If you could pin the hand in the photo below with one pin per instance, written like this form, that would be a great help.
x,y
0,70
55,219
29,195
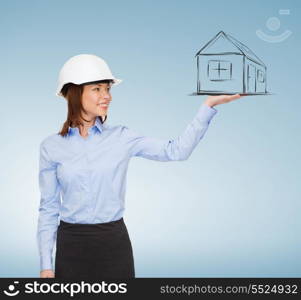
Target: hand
x,y
47,274
215,100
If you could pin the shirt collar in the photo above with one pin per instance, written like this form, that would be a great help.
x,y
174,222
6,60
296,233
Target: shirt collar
x,y
97,126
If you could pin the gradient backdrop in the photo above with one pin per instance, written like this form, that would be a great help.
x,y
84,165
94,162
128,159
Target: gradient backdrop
x,y
233,208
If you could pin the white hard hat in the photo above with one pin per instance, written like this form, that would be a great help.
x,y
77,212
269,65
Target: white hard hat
x,y
84,68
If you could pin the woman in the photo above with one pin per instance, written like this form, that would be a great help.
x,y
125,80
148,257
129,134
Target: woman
x,y
86,164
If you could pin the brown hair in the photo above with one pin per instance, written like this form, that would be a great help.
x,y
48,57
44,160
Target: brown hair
x,y
73,94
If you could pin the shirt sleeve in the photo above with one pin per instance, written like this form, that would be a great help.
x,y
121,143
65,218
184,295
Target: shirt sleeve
x,y
48,209
179,148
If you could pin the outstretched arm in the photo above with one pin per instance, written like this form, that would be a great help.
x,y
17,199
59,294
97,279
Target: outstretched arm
x,y
181,147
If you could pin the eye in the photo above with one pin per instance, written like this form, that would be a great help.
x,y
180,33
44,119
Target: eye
x,y
99,89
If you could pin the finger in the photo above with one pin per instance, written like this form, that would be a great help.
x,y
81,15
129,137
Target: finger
x,y
233,97
227,97
220,97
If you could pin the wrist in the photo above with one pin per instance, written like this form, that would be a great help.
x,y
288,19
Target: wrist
x,y
208,103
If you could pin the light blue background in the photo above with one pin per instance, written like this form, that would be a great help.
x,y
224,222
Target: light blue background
x,y
233,208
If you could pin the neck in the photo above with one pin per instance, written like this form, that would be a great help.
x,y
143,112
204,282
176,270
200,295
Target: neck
x,y
86,125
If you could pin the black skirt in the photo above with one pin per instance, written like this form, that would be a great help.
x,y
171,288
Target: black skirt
x,y
93,251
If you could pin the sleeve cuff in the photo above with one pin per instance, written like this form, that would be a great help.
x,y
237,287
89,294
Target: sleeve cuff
x,y
46,263
206,113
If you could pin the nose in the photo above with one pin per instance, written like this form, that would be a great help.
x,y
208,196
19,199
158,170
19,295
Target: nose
x,y
106,95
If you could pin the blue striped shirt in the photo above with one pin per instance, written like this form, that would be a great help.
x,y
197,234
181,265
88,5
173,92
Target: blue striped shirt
x,y
83,180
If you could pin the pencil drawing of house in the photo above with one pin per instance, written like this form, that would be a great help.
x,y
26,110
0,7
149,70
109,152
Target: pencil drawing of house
x,y
227,66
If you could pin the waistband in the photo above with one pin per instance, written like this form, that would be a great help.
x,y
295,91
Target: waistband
x,y
90,227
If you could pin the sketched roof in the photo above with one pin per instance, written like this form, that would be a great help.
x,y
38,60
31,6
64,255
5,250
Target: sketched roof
x,y
242,49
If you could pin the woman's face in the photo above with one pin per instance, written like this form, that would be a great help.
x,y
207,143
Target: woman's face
x,y
96,99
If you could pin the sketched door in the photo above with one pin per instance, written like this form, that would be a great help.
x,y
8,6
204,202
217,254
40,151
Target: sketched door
x,y
251,79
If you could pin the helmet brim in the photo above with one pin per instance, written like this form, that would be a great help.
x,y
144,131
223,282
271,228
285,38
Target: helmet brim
x,y
116,81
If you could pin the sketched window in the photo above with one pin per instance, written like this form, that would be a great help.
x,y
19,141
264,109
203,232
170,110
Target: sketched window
x,y
219,70
260,76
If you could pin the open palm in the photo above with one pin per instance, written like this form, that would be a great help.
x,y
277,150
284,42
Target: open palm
x,y
221,99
